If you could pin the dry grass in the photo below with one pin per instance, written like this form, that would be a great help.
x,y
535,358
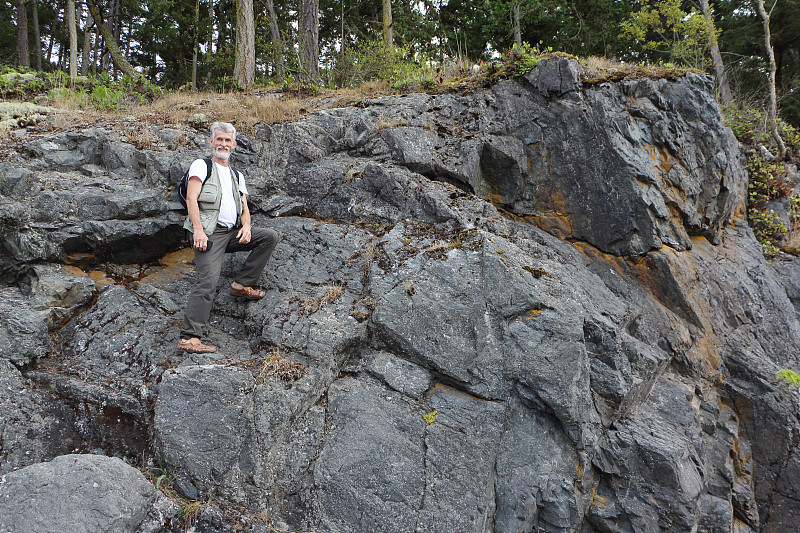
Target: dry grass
x,y
140,136
332,293
593,63
458,68
243,110
251,110
793,239
386,124
353,173
601,69
276,363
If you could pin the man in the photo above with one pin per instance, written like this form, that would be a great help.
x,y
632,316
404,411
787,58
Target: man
x,y
219,221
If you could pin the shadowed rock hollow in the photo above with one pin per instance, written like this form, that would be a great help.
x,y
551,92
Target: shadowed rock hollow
x,y
560,277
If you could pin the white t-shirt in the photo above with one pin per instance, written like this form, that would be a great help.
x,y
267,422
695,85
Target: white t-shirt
x,y
227,206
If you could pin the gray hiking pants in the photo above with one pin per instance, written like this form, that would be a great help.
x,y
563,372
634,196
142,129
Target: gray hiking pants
x,y
208,265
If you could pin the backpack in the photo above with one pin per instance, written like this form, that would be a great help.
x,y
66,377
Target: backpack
x,y
184,183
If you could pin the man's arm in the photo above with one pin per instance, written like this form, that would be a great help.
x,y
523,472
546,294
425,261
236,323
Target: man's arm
x,y
193,188
244,234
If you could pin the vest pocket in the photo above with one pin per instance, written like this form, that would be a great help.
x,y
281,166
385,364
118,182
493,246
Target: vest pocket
x,y
209,194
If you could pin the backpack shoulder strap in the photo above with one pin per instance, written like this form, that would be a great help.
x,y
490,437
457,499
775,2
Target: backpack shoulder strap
x,y
209,167
235,174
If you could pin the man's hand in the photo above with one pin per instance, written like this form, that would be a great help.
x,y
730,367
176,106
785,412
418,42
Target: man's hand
x,y
244,234
199,239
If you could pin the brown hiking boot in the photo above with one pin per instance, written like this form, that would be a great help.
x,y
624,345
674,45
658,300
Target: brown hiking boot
x,y
194,345
246,292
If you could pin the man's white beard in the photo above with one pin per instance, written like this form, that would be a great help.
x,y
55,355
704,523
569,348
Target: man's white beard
x,y
222,153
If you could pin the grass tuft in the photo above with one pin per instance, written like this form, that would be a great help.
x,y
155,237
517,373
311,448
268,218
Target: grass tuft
x,y
276,363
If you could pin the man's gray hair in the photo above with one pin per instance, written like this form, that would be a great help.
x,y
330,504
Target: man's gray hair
x,y
227,127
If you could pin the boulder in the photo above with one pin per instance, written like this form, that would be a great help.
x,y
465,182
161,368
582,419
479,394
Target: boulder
x,y
83,493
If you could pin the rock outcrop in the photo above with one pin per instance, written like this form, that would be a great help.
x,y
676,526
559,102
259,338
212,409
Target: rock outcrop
x,y
83,493
532,308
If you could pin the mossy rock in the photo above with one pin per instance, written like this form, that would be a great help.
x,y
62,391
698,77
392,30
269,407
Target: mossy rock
x,y
17,77
20,114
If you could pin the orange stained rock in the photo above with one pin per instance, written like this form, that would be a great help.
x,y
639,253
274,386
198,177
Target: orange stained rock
x,y
71,269
174,265
559,226
705,352
595,254
533,313
661,157
79,257
554,217
598,501
100,278
492,193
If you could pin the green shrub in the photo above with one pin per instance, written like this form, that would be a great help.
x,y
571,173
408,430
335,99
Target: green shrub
x,y
369,61
787,376
226,84
768,181
104,97
750,127
521,59
768,229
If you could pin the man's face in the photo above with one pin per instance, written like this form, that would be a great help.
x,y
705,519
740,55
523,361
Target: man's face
x,y
222,143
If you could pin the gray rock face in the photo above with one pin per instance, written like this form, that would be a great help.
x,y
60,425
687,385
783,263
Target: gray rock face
x,y
203,417
531,308
23,332
35,426
82,493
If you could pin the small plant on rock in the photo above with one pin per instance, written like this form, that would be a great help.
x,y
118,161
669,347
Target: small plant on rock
x,y
276,363
521,59
788,376
163,478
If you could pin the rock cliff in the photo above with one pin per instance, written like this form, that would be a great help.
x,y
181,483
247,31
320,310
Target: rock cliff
x,y
531,308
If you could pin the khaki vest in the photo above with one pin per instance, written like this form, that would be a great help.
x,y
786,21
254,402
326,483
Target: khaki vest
x,y
210,199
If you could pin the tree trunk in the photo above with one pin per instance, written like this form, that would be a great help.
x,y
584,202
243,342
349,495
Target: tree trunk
x,y
87,46
50,49
515,7
221,35
773,99
110,42
116,31
196,39
387,23
210,48
308,40
117,26
22,35
716,57
37,35
275,36
104,56
97,49
244,69
73,38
